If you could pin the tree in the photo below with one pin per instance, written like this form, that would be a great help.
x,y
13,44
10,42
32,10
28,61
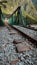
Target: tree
x,y
2,4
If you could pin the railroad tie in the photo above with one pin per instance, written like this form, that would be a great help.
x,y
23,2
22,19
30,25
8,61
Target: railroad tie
x,y
16,41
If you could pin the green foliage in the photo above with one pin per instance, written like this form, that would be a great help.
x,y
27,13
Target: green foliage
x,y
29,9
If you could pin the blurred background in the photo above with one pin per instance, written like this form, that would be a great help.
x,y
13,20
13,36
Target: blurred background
x,y
28,11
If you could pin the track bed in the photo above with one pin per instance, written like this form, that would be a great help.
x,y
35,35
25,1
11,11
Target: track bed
x,y
16,49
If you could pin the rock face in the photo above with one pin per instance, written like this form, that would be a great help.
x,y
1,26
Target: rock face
x,y
30,6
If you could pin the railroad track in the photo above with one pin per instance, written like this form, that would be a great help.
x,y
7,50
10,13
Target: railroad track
x,y
16,48
30,34
32,28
